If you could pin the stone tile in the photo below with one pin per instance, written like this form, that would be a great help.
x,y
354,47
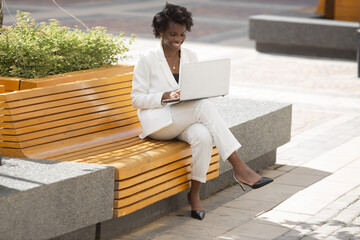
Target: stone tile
x,y
326,230
306,202
346,216
310,171
190,231
288,238
224,218
273,192
298,179
346,175
296,233
329,162
235,238
345,233
355,163
284,219
286,168
257,230
271,173
327,213
251,204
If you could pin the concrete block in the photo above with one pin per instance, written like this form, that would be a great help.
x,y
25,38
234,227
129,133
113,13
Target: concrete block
x,y
261,127
42,199
304,36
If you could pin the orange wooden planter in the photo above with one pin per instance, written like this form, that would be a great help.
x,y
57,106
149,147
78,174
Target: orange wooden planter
x,y
11,84
345,10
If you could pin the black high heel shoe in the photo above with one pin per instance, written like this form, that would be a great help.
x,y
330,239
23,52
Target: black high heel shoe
x,y
262,182
197,214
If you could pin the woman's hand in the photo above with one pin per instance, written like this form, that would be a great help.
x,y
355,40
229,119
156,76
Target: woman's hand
x,y
171,95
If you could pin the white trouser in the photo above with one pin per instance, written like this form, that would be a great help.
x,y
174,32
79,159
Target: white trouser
x,y
199,124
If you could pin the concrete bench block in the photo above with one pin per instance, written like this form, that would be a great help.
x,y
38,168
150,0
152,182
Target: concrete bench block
x,y
42,199
261,127
304,36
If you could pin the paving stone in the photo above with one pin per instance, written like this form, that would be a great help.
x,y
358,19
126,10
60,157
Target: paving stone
x,y
271,173
284,219
190,231
288,238
251,204
327,229
256,229
297,179
346,216
273,193
310,171
228,217
345,233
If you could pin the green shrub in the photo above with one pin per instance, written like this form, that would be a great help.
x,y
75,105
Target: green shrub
x,y
30,50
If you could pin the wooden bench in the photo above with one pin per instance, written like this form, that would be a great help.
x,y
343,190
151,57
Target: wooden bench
x,y
93,121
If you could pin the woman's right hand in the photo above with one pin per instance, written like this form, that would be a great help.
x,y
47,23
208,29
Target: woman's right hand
x,y
171,95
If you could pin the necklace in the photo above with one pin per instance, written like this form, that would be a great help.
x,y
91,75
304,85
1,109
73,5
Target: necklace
x,y
171,62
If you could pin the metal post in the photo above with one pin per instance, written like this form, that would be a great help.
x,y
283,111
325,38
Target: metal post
x,y
358,52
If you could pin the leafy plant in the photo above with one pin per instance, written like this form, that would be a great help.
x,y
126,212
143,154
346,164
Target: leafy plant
x,y
29,49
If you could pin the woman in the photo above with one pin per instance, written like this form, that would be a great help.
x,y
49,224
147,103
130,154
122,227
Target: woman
x,y
196,122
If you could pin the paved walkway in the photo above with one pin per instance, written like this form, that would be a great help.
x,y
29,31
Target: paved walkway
x,y
316,190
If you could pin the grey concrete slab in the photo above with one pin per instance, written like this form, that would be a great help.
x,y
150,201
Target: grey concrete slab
x,y
42,199
304,36
261,127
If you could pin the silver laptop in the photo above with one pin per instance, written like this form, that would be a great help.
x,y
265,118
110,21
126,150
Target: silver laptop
x,y
203,80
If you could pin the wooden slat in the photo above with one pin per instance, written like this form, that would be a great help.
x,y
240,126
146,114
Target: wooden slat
x,y
113,126
75,76
132,208
68,131
66,87
123,113
122,154
148,187
118,212
119,185
145,176
321,7
11,84
154,190
81,142
121,88
65,104
123,106
132,165
77,106
96,150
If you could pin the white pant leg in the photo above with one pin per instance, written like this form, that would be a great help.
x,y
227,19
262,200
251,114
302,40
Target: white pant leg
x,y
202,111
207,113
201,142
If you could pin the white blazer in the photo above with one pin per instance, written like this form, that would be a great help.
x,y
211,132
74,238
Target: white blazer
x,y
153,77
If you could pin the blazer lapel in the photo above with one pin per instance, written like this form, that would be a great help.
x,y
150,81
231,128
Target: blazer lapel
x,y
165,67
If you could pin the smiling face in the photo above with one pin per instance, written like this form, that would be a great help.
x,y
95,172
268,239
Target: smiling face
x,y
174,36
